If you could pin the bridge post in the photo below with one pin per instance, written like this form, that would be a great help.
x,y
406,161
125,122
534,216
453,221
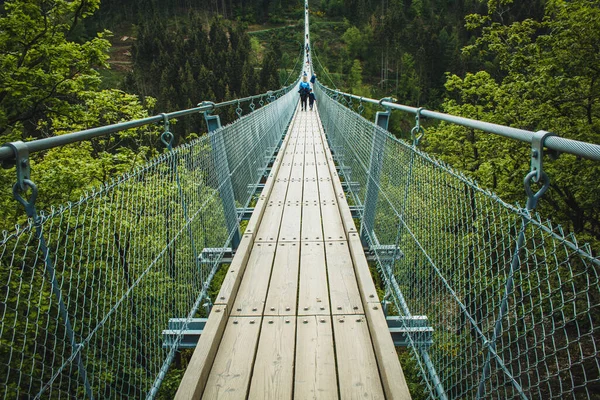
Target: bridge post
x,y
219,154
375,163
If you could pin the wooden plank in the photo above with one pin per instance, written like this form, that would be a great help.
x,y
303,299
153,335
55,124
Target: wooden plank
x,y
294,193
313,293
232,280
356,364
194,380
283,289
347,220
315,376
257,215
326,192
343,288
290,223
392,377
230,374
322,167
269,227
279,190
312,229
297,168
268,189
333,229
311,190
285,169
251,296
310,169
361,269
273,374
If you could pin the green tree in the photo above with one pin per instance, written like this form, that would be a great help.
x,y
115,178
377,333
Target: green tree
x,y
355,75
269,79
357,42
43,70
50,87
546,78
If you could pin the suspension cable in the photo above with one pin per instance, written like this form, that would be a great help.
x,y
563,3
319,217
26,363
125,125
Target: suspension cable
x,y
323,68
294,68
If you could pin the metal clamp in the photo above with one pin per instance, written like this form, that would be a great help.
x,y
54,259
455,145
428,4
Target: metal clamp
x,y
21,151
537,153
238,110
207,103
389,100
360,107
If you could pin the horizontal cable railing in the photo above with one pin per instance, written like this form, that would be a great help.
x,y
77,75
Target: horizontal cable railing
x,y
587,150
87,287
513,301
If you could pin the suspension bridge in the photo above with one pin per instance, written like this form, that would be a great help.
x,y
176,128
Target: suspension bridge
x,y
301,209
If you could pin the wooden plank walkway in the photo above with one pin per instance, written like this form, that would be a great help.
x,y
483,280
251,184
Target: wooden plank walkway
x,y
297,316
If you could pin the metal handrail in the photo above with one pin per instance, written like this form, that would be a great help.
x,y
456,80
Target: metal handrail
x,y
7,153
583,149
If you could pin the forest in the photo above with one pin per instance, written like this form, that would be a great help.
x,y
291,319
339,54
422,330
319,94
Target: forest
x,y
529,64
69,65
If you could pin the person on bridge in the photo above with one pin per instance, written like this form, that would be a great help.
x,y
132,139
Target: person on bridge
x,y
311,99
304,91
313,78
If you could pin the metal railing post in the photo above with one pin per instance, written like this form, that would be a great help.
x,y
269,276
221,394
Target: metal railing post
x,y
375,163
213,122
24,182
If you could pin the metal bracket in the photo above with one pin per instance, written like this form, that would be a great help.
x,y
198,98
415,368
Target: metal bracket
x,y
189,336
213,122
245,213
356,211
413,330
405,331
350,186
386,253
382,118
208,305
537,153
211,255
22,163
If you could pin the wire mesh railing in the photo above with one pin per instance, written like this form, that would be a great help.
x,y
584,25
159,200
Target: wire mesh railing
x,y
513,301
86,288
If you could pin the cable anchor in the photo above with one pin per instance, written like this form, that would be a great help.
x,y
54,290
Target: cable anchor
x,y
417,131
537,173
360,107
167,137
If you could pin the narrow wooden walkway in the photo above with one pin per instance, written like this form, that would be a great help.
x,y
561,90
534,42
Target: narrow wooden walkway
x,y
297,315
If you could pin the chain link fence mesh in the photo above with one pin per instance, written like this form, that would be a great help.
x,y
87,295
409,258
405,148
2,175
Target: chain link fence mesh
x,y
87,288
535,337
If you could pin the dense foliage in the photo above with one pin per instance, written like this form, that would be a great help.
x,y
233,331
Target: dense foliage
x,y
49,85
529,64
545,77
182,65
